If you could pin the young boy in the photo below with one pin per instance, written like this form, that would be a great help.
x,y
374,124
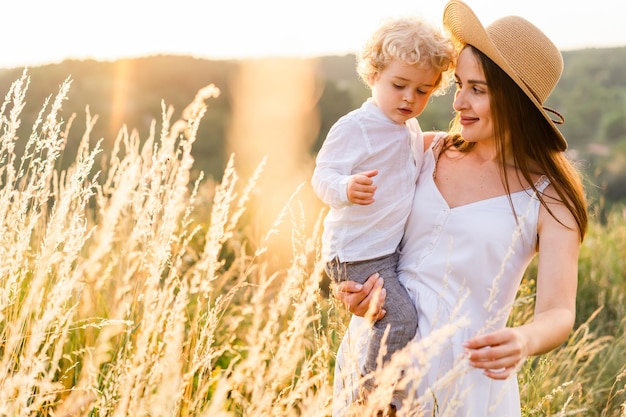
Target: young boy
x,y
368,165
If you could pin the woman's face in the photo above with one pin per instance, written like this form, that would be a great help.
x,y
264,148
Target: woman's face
x,y
402,91
471,100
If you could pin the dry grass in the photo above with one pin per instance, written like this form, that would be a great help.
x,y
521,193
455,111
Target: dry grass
x,y
118,299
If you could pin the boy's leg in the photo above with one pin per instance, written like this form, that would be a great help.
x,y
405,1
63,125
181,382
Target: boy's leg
x,y
401,315
337,271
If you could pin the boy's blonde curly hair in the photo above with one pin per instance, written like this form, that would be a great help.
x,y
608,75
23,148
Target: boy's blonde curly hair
x,y
412,40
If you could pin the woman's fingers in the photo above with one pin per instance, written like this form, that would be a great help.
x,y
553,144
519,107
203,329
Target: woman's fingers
x,y
375,303
499,354
360,298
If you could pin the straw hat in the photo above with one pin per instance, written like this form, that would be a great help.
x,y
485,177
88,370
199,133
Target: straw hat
x,y
518,47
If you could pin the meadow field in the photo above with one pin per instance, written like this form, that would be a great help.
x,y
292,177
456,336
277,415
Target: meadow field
x,y
132,286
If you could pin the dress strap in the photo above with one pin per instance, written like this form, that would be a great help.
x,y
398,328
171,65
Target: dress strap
x,y
437,144
437,140
542,183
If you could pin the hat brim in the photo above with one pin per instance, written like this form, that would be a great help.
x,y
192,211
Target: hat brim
x,y
465,26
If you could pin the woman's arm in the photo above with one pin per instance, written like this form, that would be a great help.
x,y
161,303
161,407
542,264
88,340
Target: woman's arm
x,y
557,281
555,307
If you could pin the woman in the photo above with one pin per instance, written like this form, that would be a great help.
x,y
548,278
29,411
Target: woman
x,y
493,193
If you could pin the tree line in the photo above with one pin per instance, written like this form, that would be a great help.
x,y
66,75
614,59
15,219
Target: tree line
x,y
591,95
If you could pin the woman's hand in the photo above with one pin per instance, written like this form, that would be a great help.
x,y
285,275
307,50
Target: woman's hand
x,y
500,353
365,300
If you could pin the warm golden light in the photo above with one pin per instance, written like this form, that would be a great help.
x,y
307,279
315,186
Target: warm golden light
x,y
275,117
123,73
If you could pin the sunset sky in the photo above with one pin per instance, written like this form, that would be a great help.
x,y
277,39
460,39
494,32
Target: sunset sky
x,y
38,32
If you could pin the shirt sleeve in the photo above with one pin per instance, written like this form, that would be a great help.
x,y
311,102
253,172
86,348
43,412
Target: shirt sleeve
x,y
417,141
340,153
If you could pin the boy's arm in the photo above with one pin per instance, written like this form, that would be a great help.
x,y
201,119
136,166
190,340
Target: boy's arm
x,y
361,188
335,162
330,186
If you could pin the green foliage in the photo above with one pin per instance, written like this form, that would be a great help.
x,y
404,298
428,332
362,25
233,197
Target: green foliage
x,y
591,95
129,92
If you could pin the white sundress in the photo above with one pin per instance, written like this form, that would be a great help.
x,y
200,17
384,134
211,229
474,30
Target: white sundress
x,y
462,267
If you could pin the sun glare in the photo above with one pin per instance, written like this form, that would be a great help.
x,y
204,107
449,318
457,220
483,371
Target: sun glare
x,y
275,118
45,32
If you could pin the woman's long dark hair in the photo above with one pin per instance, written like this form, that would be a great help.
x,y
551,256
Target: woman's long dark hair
x,y
532,141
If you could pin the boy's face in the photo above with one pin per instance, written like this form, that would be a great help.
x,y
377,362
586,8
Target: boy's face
x,y
402,91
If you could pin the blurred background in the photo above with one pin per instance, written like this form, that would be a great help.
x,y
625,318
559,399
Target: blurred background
x,y
286,72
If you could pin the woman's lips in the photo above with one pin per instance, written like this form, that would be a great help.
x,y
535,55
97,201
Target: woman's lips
x,y
465,120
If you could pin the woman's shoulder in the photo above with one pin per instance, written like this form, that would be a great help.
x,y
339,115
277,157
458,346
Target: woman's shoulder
x,y
432,138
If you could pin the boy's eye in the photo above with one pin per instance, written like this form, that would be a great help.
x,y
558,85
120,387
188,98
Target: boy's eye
x,y
398,86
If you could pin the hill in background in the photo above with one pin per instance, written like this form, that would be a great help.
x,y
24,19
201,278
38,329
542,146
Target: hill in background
x,y
591,95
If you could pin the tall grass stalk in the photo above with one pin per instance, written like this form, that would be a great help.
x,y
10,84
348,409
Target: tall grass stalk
x,y
117,298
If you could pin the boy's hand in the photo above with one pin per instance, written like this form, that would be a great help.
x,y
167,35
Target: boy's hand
x,y
361,188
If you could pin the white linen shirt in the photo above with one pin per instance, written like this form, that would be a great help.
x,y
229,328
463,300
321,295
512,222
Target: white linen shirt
x,y
363,140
